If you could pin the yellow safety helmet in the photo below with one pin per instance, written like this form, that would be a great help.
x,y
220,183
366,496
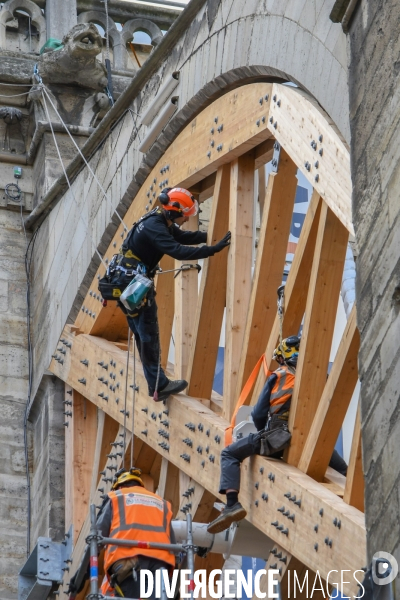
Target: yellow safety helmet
x,y
124,476
288,349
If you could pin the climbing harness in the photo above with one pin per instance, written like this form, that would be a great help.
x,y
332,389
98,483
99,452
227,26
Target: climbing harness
x,y
281,310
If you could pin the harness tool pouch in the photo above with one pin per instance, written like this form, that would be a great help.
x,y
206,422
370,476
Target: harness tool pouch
x,y
118,276
276,438
136,291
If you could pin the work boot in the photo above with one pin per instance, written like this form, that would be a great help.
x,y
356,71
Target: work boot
x,y
172,387
226,518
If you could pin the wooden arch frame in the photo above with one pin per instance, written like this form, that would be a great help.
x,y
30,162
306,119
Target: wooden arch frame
x,y
217,154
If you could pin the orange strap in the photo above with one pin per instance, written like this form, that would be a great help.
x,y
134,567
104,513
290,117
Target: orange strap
x,y
244,395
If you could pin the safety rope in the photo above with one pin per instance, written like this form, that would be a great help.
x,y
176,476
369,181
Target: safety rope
x,y
281,310
155,395
83,157
126,394
68,181
106,32
14,95
135,389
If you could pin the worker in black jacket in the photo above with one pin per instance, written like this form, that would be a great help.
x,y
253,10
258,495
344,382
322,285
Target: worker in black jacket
x,y
156,234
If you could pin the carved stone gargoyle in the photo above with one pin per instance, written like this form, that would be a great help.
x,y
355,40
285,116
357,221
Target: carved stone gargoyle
x,y
76,62
13,140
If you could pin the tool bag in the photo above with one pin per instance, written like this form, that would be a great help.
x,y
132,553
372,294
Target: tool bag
x,y
136,292
275,437
120,272
116,279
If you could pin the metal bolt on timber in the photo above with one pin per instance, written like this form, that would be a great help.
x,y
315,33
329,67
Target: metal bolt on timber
x,y
85,362
264,496
284,560
144,432
82,381
316,528
69,392
145,410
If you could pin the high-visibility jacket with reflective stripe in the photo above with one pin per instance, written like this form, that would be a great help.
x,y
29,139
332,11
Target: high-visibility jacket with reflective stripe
x,y
283,388
140,516
106,588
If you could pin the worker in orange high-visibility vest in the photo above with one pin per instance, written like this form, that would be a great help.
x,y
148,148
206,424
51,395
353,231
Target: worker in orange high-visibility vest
x,y
270,414
133,513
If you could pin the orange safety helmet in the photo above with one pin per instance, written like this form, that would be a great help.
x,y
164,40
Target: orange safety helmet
x,y
179,200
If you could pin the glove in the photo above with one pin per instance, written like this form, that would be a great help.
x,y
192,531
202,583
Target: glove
x,y
226,240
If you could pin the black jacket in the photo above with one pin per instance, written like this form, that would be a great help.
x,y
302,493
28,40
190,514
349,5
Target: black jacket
x,y
152,238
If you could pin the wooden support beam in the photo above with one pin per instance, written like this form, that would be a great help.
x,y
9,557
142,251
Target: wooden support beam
x,y
270,262
263,154
212,295
165,286
333,405
275,478
241,215
192,501
354,490
296,287
319,323
301,127
262,189
101,417
186,292
278,559
82,443
80,543
205,188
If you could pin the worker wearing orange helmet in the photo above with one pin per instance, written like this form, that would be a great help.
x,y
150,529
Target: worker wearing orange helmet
x,y
155,234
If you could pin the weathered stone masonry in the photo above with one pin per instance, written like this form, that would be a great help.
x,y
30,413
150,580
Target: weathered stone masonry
x,y
375,154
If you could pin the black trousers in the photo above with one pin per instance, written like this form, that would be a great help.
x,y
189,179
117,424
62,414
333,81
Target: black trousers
x,y
232,456
144,326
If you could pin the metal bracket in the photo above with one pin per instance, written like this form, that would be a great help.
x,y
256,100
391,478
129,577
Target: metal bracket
x,y
44,568
275,157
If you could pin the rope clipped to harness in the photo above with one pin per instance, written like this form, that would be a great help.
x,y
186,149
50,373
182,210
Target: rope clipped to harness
x,y
281,310
186,267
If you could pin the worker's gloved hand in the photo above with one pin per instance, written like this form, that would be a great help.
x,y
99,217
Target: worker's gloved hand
x,y
226,240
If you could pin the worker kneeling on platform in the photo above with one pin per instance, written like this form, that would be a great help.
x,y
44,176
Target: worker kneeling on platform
x,y
155,234
270,416
133,513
